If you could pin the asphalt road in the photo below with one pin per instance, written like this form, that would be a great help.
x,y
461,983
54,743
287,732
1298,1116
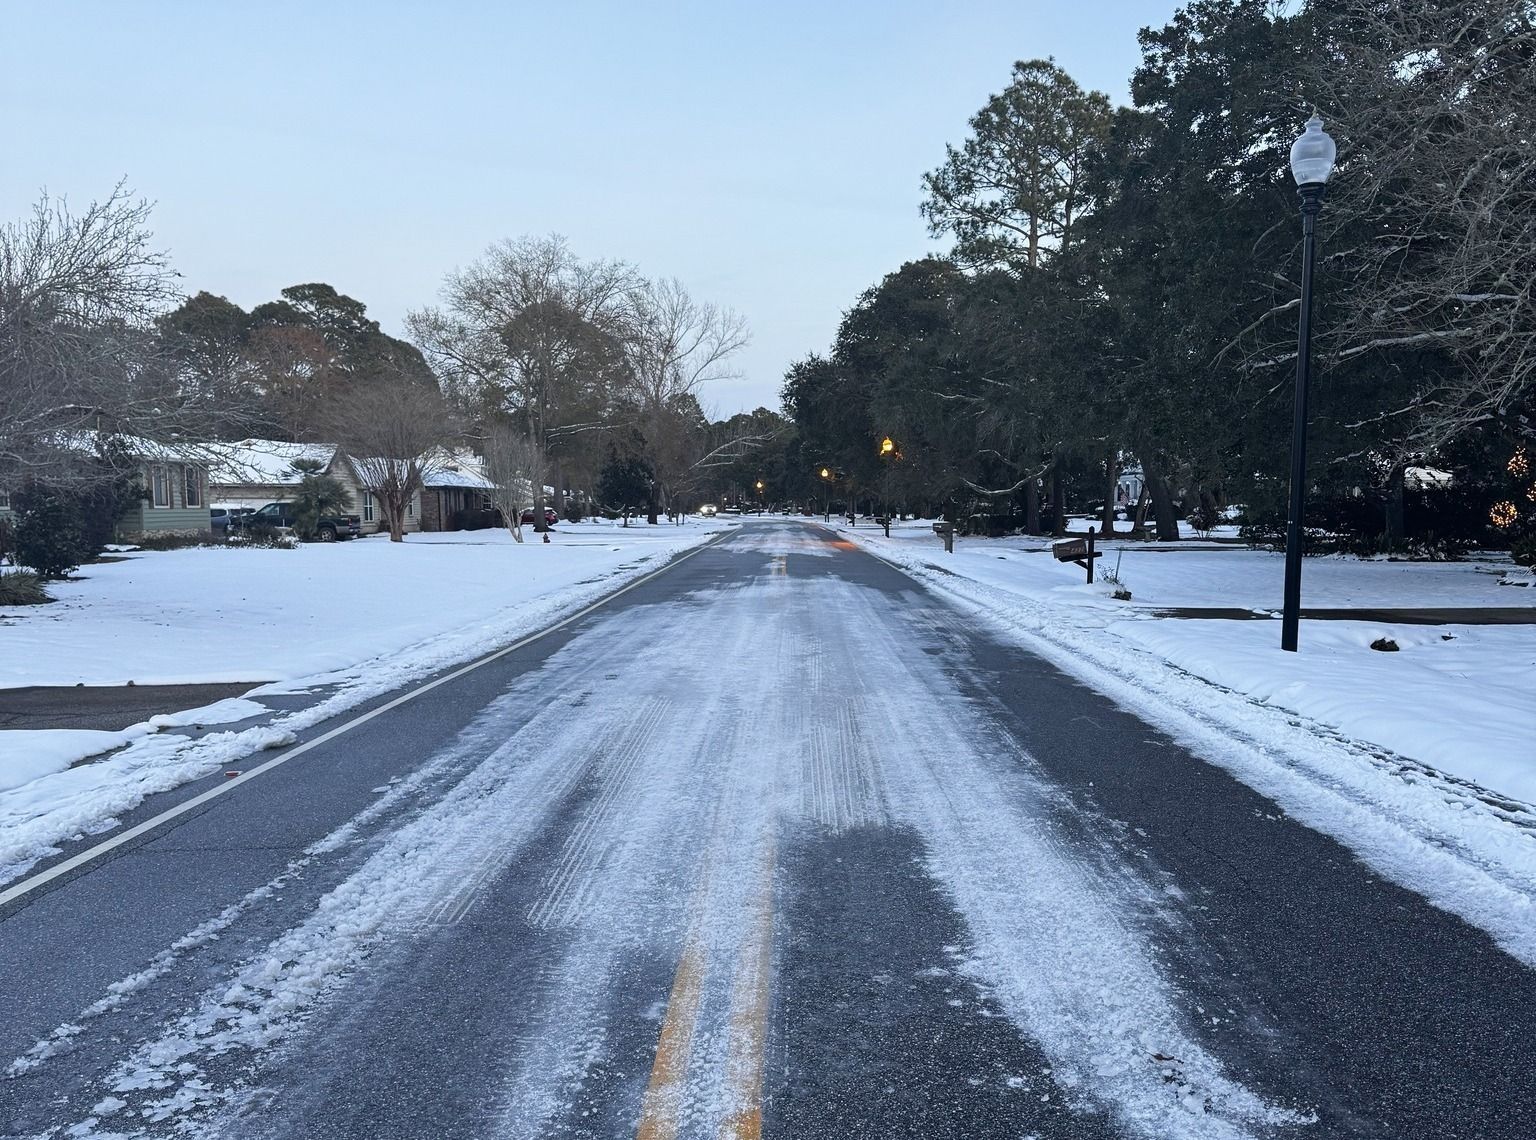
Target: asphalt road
x,y
774,844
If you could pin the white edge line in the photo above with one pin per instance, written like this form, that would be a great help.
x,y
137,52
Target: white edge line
x,y
26,886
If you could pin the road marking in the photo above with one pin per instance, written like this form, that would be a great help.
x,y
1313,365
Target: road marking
x,y
28,885
749,1017
659,1115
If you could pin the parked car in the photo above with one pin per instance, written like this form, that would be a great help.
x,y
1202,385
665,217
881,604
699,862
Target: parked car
x,y
709,510
551,517
280,516
225,519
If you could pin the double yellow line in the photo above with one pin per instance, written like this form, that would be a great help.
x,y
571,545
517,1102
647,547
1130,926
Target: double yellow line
x,y
661,1111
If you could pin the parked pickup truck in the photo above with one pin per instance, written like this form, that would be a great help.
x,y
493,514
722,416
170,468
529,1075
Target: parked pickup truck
x,y
280,516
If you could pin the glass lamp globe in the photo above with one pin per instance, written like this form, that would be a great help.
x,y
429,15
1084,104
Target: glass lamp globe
x,y
1312,154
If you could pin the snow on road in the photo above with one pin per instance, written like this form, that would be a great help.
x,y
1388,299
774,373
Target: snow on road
x,y
1457,697
1465,848
360,618
781,708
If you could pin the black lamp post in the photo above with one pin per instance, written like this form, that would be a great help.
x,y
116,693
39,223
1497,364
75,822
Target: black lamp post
x,y
1311,163
826,494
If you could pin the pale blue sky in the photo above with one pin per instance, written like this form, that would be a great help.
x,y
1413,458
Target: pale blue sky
x,y
769,155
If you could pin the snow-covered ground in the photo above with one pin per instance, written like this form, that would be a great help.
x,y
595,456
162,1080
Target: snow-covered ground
x,y
1457,697
363,617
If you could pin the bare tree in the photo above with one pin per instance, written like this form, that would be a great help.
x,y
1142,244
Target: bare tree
x,y
675,345
511,464
393,429
1436,209
78,294
533,332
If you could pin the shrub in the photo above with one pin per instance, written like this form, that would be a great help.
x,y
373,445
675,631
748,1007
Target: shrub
x,y
175,540
49,535
1523,550
573,511
1432,547
1205,518
22,588
263,537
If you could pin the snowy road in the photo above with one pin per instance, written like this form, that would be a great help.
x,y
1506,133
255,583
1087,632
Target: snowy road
x,y
773,845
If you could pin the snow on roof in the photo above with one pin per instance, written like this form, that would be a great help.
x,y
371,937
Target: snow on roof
x,y
458,469
88,441
264,461
1427,478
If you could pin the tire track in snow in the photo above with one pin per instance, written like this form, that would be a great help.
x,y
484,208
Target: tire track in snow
x,y
474,830
1054,939
568,885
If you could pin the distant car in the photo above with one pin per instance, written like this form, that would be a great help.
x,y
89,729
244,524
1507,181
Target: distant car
x,y
280,516
551,517
733,510
709,510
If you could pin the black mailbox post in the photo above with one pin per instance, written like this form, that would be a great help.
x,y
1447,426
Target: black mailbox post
x,y
1078,550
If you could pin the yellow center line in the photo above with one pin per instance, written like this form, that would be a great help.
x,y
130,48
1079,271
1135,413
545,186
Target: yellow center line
x,y
663,1095
749,1017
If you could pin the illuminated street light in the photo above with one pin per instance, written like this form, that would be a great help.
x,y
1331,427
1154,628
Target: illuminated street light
x,y
887,446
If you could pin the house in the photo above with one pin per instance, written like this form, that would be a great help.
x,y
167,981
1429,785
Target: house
x,y
173,480
254,472
456,494
175,486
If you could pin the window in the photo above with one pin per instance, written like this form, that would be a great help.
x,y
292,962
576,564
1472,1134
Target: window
x,y
410,507
5,500
194,484
368,506
160,488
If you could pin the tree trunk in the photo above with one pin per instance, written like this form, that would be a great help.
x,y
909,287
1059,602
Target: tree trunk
x,y
1393,528
559,503
1142,503
1163,511
1111,494
536,476
1032,507
1058,501
653,507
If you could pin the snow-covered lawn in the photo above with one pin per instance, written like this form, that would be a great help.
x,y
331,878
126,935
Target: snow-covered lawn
x,y
364,617
1459,698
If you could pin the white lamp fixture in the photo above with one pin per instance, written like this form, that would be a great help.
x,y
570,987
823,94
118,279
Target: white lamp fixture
x,y
1312,155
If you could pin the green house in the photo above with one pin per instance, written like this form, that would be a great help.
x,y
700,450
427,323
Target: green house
x,y
175,496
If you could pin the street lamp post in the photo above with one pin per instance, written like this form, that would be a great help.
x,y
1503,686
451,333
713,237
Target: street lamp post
x,y
888,452
826,494
1311,163
759,496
